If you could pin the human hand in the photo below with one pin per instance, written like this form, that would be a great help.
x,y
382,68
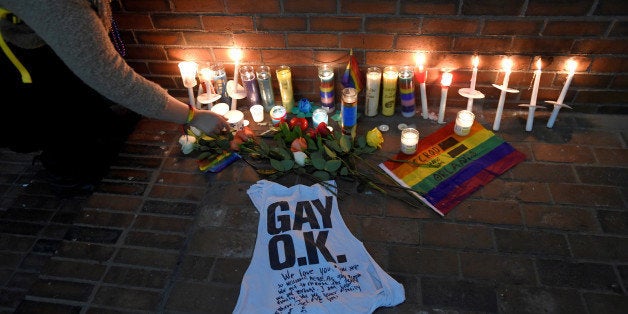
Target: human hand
x,y
209,122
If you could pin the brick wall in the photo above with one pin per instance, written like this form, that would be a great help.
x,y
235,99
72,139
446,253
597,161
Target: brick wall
x,y
303,34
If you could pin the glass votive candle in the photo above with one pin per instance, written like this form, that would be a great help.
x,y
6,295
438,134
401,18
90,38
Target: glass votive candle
x,y
319,115
257,112
464,121
409,140
220,108
278,114
235,118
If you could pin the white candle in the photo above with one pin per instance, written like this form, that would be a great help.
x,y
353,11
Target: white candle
x,y
445,82
571,67
535,92
319,115
507,66
475,62
409,140
188,74
373,82
421,75
464,121
236,55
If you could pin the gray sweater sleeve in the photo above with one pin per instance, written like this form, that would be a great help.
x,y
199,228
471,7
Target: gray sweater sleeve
x,y
74,31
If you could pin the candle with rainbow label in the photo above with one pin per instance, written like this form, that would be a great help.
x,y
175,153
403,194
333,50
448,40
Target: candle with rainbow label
x,y
406,91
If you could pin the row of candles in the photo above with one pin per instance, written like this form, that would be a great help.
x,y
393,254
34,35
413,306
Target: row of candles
x,y
392,76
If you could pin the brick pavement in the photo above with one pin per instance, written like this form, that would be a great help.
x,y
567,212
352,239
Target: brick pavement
x,y
550,235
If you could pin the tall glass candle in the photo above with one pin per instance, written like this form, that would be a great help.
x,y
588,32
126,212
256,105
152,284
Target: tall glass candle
x,y
389,92
349,110
373,82
264,82
326,76
247,74
220,82
406,91
284,77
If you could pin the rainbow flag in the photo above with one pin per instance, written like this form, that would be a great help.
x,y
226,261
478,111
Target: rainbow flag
x,y
352,76
447,168
218,162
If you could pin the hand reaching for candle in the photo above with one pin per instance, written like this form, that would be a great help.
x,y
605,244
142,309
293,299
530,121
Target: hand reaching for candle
x,y
209,122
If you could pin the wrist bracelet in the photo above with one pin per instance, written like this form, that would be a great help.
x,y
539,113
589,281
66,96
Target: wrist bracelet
x,y
190,115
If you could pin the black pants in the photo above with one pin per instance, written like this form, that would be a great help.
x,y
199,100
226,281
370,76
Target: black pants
x,y
78,131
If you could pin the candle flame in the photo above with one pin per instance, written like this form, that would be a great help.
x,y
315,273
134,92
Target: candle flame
x,y
188,68
420,59
507,64
539,64
235,54
475,61
571,66
446,79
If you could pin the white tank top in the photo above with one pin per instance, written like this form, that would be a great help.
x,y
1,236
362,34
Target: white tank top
x,y
306,260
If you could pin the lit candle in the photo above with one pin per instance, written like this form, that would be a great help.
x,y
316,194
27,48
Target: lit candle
x,y
406,91
507,67
464,121
188,74
421,76
445,82
475,62
373,82
277,114
389,93
326,76
409,140
284,77
236,55
571,67
535,92
319,115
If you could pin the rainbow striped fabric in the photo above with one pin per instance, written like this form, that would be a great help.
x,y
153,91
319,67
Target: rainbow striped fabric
x,y
447,168
352,76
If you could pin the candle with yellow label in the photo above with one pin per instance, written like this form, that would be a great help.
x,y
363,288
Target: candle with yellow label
x,y
284,77
389,93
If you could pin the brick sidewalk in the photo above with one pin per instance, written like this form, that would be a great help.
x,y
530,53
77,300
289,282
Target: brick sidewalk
x,y
550,235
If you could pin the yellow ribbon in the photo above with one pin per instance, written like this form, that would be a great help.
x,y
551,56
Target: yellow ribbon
x,y
26,77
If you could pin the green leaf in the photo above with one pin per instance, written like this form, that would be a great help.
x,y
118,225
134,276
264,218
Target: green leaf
x,y
280,151
361,141
321,175
264,147
345,143
310,143
330,152
317,160
344,171
332,165
282,165
335,146
288,164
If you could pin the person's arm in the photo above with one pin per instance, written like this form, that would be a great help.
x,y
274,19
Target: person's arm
x,y
74,31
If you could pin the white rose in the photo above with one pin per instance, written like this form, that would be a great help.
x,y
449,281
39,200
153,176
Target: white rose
x,y
187,143
299,157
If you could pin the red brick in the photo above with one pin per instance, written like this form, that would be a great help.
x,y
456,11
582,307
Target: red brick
x,y
482,45
563,153
74,269
128,298
543,172
541,45
320,6
528,192
599,248
208,39
531,242
105,218
133,21
425,43
177,193
442,7
227,23
620,82
367,41
209,6
586,195
563,8
619,29
456,236
559,217
611,7
449,26
609,64
485,211
146,53
187,22
259,41
162,241
591,80
393,230
392,25
278,57
335,24
600,46
368,7
611,156
509,27
492,7
149,222
514,269
190,54
146,6
313,40
410,259
245,6
281,24
575,28
610,96
152,258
